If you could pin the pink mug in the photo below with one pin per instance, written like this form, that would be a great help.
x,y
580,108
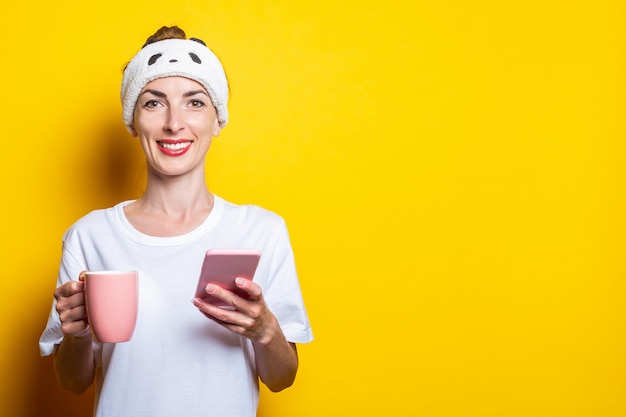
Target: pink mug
x,y
111,299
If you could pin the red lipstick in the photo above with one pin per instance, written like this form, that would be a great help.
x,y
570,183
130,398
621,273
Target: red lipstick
x,y
171,147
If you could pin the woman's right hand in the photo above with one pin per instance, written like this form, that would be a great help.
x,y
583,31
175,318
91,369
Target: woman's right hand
x,y
70,304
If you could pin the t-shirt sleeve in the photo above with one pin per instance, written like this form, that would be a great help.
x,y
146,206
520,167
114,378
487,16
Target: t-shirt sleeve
x,y
52,334
283,294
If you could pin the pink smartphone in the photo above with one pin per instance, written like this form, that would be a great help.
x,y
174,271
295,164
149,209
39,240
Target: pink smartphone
x,y
222,266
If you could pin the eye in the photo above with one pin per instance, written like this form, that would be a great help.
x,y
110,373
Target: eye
x,y
150,104
196,103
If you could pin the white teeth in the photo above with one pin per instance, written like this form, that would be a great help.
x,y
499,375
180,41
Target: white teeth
x,y
175,146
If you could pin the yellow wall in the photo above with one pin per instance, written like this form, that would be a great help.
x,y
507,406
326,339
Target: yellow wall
x,y
453,175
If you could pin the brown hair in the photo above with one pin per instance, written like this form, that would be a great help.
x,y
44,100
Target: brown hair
x,y
166,32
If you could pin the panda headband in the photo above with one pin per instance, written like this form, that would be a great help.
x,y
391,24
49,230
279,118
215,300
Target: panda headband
x,y
189,58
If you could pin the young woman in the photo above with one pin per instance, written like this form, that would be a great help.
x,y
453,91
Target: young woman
x,y
187,357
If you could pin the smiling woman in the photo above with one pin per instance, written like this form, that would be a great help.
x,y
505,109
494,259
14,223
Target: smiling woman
x,y
174,97
173,118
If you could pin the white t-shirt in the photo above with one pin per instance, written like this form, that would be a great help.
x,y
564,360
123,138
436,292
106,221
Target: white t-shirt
x,y
180,363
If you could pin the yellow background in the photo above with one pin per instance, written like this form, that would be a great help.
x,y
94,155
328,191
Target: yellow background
x,y
452,173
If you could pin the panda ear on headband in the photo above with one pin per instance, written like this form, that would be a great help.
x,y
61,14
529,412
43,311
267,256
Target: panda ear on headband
x,y
198,40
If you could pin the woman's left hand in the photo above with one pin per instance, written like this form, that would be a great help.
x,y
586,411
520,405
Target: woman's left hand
x,y
248,317
276,358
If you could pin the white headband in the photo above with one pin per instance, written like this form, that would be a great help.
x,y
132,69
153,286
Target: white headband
x,y
170,58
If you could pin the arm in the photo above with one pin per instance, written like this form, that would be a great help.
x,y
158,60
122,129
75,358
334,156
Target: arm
x,y
74,360
276,362
276,358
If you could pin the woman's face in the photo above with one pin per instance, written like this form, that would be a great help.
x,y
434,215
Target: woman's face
x,y
175,122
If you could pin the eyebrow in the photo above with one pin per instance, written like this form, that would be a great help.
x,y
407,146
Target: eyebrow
x,y
163,95
194,92
154,92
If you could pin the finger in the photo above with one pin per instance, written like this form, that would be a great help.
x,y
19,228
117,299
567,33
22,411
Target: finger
x,y
81,276
68,289
233,327
220,315
218,292
78,313
73,315
249,287
67,304
230,298
75,327
237,321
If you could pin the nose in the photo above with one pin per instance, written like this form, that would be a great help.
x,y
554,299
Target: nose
x,y
174,120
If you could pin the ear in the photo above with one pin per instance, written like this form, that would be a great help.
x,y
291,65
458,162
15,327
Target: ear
x,y
216,129
133,132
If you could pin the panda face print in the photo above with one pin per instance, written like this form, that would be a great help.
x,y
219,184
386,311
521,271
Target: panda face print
x,y
173,57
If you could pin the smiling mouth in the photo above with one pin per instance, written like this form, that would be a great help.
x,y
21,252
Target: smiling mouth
x,y
174,146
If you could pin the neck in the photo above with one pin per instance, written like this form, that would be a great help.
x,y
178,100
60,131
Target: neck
x,y
172,207
176,196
